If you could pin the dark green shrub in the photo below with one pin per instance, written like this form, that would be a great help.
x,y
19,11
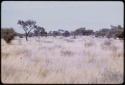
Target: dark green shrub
x,y
8,34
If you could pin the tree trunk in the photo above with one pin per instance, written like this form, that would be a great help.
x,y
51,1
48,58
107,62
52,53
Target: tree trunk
x,y
26,37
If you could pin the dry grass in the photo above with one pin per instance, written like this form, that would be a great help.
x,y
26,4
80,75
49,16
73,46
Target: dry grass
x,y
62,60
66,53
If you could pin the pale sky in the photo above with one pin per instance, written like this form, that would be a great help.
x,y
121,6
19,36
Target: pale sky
x,y
67,15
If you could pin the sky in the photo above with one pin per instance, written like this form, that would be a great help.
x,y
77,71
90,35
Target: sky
x,y
67,15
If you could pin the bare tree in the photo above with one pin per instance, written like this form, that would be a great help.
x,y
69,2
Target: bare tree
x,y
27,26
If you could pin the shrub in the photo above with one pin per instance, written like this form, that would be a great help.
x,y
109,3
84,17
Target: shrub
x,y
120,35
69,40
88,44
8,34
21,36
107,42
55,33
66,53
66,34
111,77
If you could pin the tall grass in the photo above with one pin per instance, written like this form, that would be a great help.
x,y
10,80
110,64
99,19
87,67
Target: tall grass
x,y
54,60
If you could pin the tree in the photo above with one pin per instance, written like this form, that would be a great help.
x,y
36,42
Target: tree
x,y
50,33
40,31
88,32
80,31
27,26
83,31
45,34
120,32
114,32
103,32
66,34
55,33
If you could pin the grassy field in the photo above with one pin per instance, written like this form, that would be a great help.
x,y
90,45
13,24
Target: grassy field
x,y
84,60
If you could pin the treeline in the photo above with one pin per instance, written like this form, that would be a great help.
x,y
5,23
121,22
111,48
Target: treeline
x,y
113,32
29,25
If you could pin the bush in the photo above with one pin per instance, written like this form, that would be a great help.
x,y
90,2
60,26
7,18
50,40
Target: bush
x,y
8,34
20,36
120,34
55,33
66,34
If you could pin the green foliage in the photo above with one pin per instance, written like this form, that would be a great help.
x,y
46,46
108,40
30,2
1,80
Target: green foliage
x,y
8,34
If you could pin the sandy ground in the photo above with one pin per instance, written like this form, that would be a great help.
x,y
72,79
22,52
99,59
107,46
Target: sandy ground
x,y
62,60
